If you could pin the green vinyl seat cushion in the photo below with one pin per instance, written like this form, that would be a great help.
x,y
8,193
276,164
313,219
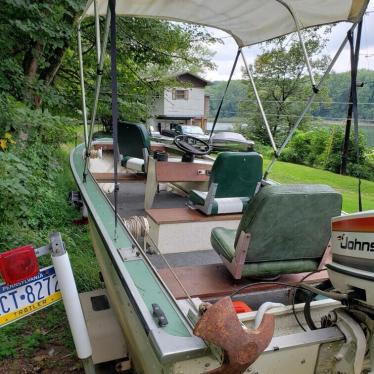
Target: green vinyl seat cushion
x,y
223,241
219,205
233,181
134,145
132,139
289,227
236,174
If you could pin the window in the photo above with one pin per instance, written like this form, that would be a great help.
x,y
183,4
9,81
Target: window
x,y
180,94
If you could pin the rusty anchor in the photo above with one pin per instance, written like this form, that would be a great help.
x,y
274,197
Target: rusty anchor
x,y
220,325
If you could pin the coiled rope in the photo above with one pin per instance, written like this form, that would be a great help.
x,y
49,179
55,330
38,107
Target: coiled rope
x,y
138,226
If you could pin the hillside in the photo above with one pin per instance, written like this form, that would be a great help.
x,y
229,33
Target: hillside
x,y
338,90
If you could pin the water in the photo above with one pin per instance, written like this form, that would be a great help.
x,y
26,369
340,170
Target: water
x,y
367,129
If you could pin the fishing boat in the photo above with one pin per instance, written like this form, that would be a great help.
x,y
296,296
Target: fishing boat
x,y
231,141
208,265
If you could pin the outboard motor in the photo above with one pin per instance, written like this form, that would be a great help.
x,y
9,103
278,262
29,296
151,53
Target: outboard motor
x,y
352,267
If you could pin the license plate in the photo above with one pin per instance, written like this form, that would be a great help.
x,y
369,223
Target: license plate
x,y
27,297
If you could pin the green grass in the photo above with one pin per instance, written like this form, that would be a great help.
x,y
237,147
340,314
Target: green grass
x,y
27,336
284,172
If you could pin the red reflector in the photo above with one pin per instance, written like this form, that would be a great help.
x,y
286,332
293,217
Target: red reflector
x,y
18,264
241,307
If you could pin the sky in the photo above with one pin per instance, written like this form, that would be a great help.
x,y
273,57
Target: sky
x,y
225,53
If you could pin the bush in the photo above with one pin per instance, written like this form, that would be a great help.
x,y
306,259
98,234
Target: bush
x,y
321,148
30,160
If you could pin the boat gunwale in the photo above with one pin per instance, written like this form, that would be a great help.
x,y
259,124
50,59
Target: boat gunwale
x,y
166,352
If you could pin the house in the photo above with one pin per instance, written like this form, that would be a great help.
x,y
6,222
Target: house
x,y
185,104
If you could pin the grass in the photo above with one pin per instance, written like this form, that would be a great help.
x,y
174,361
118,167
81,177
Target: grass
x,y
49,327
284,172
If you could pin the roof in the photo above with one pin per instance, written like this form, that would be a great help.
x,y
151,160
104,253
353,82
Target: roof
x,y
183,73
190,77
248,21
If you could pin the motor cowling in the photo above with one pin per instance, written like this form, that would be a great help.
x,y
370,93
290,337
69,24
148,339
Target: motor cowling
x,y
352,267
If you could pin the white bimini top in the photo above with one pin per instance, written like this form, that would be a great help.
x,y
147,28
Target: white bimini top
x,y
248,21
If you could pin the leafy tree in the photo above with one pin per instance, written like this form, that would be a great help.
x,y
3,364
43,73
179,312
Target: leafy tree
x,y
39,64
149,51
338,85
283,83
236,94
35,36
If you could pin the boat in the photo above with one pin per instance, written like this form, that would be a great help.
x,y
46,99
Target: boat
x,y
231,141
201,276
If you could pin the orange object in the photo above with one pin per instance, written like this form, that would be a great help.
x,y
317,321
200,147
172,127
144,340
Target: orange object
x,y
241,307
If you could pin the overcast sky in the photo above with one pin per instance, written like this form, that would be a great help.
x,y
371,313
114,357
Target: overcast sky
x,y
225,53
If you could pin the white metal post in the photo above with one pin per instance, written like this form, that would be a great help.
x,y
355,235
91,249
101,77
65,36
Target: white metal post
x,y
306,57
97,32
98,85
258,101
70,297
309,103
83,90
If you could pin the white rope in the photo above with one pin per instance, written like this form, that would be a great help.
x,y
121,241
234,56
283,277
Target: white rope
x,y
138,226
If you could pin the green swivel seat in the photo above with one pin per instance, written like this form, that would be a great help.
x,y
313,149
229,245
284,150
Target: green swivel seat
x,y
233,181
134,145
284,229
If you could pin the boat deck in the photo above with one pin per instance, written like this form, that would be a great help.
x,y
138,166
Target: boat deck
x,y
201,272
131,199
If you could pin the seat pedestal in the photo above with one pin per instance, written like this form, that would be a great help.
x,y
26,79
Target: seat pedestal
x,y
183,230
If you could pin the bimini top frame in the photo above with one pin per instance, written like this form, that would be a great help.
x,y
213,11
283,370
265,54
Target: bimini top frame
x,y
249,22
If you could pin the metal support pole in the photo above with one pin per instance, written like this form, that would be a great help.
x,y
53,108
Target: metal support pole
x,y
306,57
355,54
309,103
259,101
97,89
113,68
224,93
97,32
83,90
70,297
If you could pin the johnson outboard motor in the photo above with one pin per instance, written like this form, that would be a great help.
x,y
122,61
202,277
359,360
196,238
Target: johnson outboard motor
x,y
352,267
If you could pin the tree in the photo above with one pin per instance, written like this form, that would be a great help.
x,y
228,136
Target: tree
x,y
236,94
149,51
39,64
282,81
35,36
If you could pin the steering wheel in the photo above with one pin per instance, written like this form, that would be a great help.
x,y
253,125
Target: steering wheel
x,y
192,145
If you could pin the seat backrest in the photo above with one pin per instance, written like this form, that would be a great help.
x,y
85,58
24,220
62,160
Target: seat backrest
x,y
236,174
289,222
132,139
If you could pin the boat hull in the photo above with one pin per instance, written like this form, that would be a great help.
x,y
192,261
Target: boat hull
x,y
133,285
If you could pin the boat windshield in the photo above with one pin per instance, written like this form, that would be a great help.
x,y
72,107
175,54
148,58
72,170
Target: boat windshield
x,y
232,136
192,130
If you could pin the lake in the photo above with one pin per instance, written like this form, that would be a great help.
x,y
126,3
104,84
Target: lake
x,y
367,129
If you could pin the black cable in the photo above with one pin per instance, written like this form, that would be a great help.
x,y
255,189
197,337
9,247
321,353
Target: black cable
x,y
266,282
296,287
224,93
324,286
294,297
113,53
